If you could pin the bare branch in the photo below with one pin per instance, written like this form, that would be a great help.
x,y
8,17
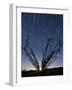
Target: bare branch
x,y
30,54
31,59
34,57
52,56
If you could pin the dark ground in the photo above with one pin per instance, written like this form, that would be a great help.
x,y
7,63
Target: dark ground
x,y
47,72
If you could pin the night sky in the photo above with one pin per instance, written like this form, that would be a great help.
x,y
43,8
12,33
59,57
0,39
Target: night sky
x,y
39,27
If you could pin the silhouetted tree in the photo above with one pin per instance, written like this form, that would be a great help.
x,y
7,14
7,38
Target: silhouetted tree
x,y
49,54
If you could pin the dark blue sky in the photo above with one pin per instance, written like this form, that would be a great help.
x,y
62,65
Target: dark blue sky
x,y
39,27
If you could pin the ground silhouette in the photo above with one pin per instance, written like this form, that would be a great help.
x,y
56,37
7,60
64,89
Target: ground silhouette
x,y
46,72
